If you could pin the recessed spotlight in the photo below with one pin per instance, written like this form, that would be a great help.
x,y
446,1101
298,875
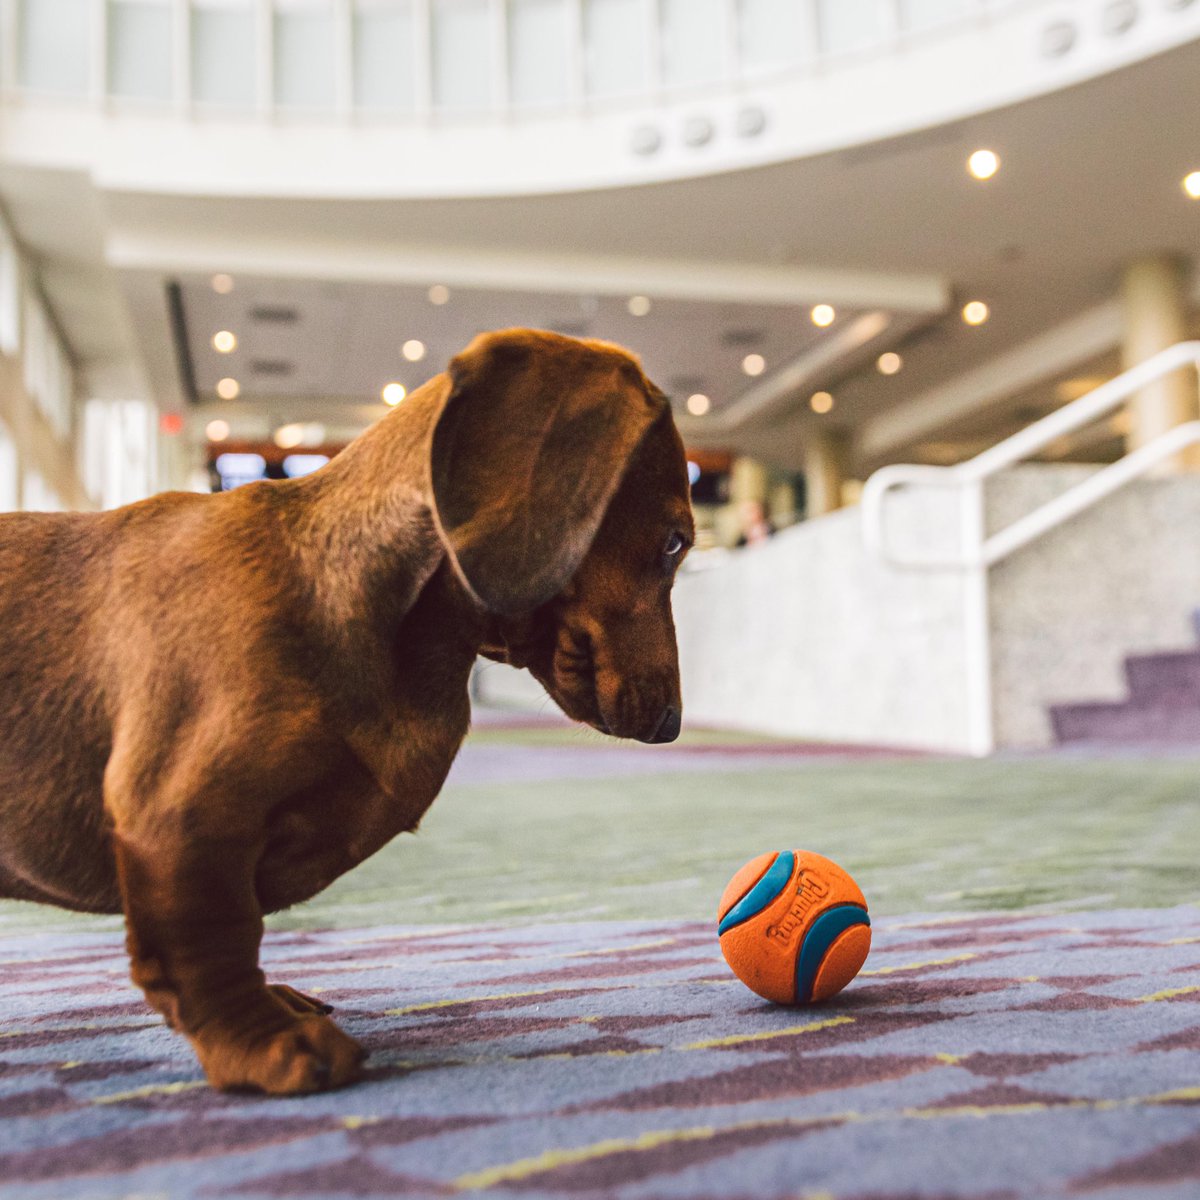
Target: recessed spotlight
x,y
983,164
287,437
413,350
224,342
889,363
222,284
439,294
638,306
975,312
217,431
698,404
823,315
228,389
754,364
1191,185
821,402
393,393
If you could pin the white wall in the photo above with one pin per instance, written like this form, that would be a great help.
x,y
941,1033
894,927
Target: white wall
x,y
809,637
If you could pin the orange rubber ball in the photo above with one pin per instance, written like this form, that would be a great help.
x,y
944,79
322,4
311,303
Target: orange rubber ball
x,y
794,927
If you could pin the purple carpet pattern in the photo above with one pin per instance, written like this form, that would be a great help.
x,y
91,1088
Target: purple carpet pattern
x,y
1011,1055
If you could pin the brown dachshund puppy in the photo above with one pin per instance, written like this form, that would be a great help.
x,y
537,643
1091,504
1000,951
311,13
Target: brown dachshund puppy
x,y
213,706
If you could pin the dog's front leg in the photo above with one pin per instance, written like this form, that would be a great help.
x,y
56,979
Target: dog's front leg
x,y
193,931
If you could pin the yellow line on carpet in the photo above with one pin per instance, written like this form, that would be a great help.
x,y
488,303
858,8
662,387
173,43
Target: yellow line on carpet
x,y
432,1004
669,941
551,1160
917,966
1168,994
152,1089
738,1038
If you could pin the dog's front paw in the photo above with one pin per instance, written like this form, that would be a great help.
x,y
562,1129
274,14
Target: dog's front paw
x,y
309,1054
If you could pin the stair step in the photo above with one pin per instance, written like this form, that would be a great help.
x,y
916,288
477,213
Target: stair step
x,y
1165,679
1133,724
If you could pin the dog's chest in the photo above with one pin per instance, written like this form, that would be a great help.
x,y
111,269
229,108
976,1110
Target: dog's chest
x,y
331,825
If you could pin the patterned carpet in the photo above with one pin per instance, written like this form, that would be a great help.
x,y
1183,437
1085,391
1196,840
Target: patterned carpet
x,y
989,1056
562,1026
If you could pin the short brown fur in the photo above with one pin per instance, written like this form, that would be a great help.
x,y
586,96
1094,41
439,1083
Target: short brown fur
x,y
213,706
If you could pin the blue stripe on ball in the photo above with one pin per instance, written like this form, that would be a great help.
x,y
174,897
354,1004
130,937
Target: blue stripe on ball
x,y
823,932
762,893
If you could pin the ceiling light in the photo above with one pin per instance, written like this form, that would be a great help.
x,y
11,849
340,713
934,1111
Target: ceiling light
x,y
1191,185
638,306
754,364
217,431
975,312
823,315
228,389
224,342
889,363
413,350
393,393
698,404
222,284
983,164
439,294
287,437
821,402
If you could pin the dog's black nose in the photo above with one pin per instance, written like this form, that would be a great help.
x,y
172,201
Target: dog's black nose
x,y
668,726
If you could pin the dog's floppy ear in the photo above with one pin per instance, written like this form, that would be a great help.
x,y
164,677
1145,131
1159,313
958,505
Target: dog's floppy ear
x,y
529,449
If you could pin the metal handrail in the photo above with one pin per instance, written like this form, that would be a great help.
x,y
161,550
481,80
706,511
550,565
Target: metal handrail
x,y
983,551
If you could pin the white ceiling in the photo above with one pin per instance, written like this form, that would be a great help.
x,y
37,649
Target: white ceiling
x,y
345,341
1090,180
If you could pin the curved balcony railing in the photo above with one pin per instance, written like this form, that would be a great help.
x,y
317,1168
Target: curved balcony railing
x,y
525,96
416,60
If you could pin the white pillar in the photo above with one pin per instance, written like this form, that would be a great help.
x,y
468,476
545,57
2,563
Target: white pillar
x,y
1154,296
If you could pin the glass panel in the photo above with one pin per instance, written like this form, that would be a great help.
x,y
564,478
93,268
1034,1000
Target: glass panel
x,y
8,471
616,48
772,33
384,48
10,296
927,14
462,55
537,52
304,65
848,25
223,54
55,36
693,36
39,495
139,50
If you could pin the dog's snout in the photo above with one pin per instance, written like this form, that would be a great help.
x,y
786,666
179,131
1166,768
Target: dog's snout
x,y
668,726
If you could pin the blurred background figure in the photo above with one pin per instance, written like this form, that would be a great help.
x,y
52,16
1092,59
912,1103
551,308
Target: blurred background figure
x,y
848,237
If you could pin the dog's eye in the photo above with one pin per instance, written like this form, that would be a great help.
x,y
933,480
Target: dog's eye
x,y
673,551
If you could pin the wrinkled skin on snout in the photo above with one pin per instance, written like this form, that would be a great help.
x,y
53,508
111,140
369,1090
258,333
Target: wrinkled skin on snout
x,y
604,648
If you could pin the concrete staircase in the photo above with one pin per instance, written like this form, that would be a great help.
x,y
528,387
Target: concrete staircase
x,y
1163,707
